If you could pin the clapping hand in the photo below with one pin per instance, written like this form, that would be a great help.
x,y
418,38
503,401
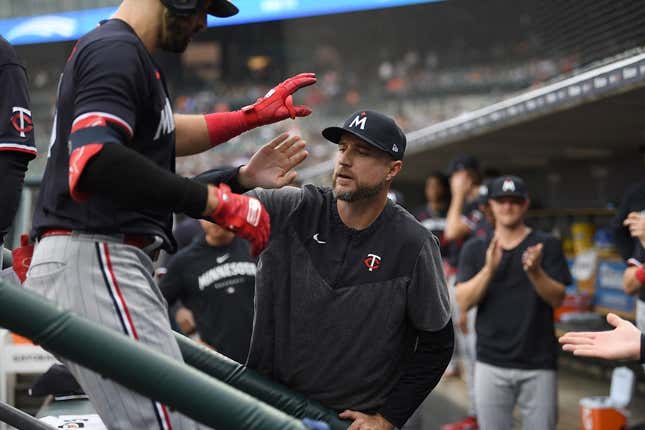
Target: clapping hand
x,y
532,258
636,224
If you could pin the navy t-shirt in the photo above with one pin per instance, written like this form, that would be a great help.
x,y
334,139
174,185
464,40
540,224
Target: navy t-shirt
x,y
16,133
110,75
16,126
514,324
217,284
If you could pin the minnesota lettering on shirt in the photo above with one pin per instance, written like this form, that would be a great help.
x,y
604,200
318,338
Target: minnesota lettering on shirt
x,y
227,270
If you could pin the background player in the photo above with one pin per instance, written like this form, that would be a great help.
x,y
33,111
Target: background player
x,y
109,190
214,277
516,279
17,146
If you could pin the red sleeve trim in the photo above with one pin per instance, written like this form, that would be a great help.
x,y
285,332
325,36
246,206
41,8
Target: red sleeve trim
x,y
16,147
101,119
77,162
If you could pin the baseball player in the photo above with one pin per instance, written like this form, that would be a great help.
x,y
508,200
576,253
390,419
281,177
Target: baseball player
x,y
463,220
214,277
109,190
17,146
516,279
352,308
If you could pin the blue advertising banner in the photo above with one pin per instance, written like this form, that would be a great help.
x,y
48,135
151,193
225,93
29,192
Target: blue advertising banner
x,y
66,26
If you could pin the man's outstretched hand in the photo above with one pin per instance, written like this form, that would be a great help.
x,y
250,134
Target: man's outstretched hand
x,y
621,343
272,166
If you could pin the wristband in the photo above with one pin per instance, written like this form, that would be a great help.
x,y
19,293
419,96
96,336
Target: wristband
x,y
640,275
223,126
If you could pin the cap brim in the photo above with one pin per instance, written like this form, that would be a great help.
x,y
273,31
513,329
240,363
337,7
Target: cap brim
x,y
223,9
513,195
333,135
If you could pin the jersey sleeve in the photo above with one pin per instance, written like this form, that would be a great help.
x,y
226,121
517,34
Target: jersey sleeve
x,y
110,86
16,125
554,262
279,203
111,83
428,304
470,260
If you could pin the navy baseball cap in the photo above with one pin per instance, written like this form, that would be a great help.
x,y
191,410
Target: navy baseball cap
x,y
374,128
219,8
463,162
222,9
508,186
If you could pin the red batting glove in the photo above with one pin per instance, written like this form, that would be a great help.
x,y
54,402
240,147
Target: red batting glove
x,y
277,104
22,258
243,215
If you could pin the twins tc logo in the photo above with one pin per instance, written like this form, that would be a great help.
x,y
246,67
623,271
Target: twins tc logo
x,y
21,120
372,262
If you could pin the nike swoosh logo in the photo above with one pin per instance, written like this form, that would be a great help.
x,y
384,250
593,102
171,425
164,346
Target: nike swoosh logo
x,y
223,258
318,240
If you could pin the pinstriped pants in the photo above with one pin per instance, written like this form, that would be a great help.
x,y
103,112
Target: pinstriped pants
x,y
109,283
498,390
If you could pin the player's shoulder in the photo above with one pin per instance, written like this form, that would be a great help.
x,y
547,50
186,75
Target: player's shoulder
x,y
7,53
112,41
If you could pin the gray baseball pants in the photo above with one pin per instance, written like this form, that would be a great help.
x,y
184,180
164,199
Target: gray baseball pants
x,y
498,390
110,283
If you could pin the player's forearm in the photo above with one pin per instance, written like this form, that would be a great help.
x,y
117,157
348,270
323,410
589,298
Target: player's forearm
x,y
132,181
455,227
420,374
550,290
191,135
631,284
471,292
13,166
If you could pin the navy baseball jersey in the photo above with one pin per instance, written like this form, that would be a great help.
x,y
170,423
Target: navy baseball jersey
x,y
111,92
16,126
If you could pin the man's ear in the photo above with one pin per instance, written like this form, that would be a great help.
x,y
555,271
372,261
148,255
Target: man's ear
x,y
395,168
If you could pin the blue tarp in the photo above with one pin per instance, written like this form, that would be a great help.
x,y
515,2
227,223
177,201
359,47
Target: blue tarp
x,y
72,25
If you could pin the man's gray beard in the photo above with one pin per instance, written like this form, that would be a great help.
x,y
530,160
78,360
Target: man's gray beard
x,y
361,193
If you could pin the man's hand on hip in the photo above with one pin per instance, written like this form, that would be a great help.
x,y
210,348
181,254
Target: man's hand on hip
x,y
366,422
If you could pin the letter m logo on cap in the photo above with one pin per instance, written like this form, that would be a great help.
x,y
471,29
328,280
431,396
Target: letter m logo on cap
x,y
359,122
508,185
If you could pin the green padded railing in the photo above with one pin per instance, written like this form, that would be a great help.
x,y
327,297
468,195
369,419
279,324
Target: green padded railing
x,y
233,373
136,366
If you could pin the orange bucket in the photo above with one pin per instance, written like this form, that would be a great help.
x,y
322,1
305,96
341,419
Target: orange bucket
x,y
601,413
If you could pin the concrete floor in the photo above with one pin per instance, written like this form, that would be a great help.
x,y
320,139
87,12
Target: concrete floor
x,y
449,401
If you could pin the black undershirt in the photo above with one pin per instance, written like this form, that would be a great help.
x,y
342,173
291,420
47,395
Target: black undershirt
x,y
642,348
13,166
421,373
